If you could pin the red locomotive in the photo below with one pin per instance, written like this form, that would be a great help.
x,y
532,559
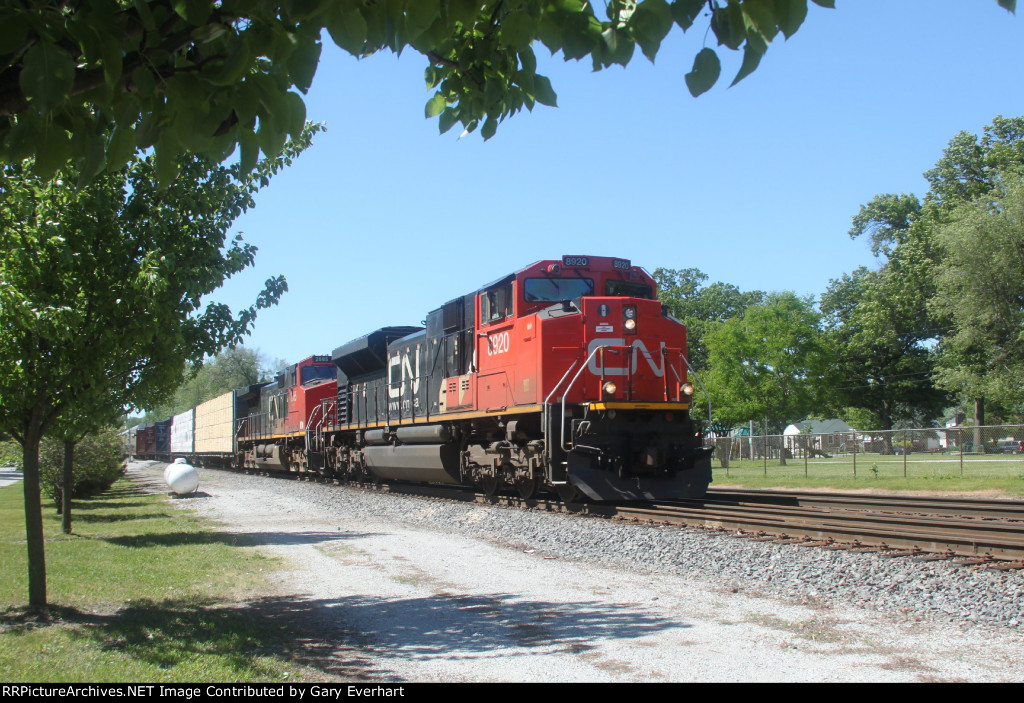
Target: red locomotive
x,y
565,376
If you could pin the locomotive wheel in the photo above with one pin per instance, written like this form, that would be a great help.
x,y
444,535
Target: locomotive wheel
x,y
527,488
489,485
568,493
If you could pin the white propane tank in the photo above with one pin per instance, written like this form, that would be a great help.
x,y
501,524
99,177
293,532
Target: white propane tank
x,y
167,469
181,477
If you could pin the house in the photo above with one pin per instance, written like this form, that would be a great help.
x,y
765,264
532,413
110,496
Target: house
x,y
818,437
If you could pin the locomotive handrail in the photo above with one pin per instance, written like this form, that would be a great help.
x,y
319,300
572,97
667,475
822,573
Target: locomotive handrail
x,y
309,426
699,383
546,414
574,378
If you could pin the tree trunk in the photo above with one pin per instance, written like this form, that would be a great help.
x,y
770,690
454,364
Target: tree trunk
x,y
34,521
886,419
979,420
67,487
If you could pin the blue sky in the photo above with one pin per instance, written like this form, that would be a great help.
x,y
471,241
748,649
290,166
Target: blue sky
x,y
382,220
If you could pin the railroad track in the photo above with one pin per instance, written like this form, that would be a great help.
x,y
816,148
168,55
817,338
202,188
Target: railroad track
x,y
976,531
970,531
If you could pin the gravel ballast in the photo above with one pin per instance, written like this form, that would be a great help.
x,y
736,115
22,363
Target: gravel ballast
x,y
398,588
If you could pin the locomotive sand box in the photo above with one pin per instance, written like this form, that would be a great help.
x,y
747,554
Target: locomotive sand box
x,y
567,376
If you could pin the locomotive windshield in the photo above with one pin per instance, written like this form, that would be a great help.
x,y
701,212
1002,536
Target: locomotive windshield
x,y
553,290
316,373
628,289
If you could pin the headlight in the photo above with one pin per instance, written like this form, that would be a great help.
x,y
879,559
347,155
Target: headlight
x,y
610,388
629,318
687,388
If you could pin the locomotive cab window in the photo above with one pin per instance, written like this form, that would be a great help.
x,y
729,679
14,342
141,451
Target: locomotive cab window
x,y
318,373
554,290
496,304
628,289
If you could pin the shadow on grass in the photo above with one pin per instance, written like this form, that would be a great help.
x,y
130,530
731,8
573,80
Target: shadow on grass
x,y
175,539
224,637
100,504
352,637
119,517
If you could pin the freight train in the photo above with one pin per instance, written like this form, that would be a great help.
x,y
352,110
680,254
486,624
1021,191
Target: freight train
x,y
567,376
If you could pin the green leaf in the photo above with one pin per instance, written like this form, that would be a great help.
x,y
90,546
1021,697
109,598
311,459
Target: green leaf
x,y
195,12
250,151
53,148
435,106
758,19
236,64
271,137
421,14
121,147
729,26
549,31
1009,5
751,59
94,162
831,4
348,29
166,161
543,92
447,120
143,81
651,22
47,75
464,11
528,60
517,30
13,32
684,12
303,62
296,119
145,15
790,14
706,69
489,128
113,61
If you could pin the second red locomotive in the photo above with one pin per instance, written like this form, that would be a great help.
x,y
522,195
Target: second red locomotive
x,y
566,376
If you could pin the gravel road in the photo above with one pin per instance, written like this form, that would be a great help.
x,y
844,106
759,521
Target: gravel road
x,y
392,588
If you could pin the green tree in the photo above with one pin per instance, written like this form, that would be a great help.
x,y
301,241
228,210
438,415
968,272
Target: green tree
x,y
97,464
972,171
92,320
773,361
91,417
700,306
878,320
980,289
96,81
232,368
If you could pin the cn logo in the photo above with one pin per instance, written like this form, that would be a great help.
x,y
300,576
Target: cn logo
x,y
611,359
401,362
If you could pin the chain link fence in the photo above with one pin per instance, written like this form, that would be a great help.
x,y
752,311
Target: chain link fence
x,y
995,451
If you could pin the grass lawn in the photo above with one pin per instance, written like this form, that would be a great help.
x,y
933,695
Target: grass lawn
x,y
992,474
140,592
